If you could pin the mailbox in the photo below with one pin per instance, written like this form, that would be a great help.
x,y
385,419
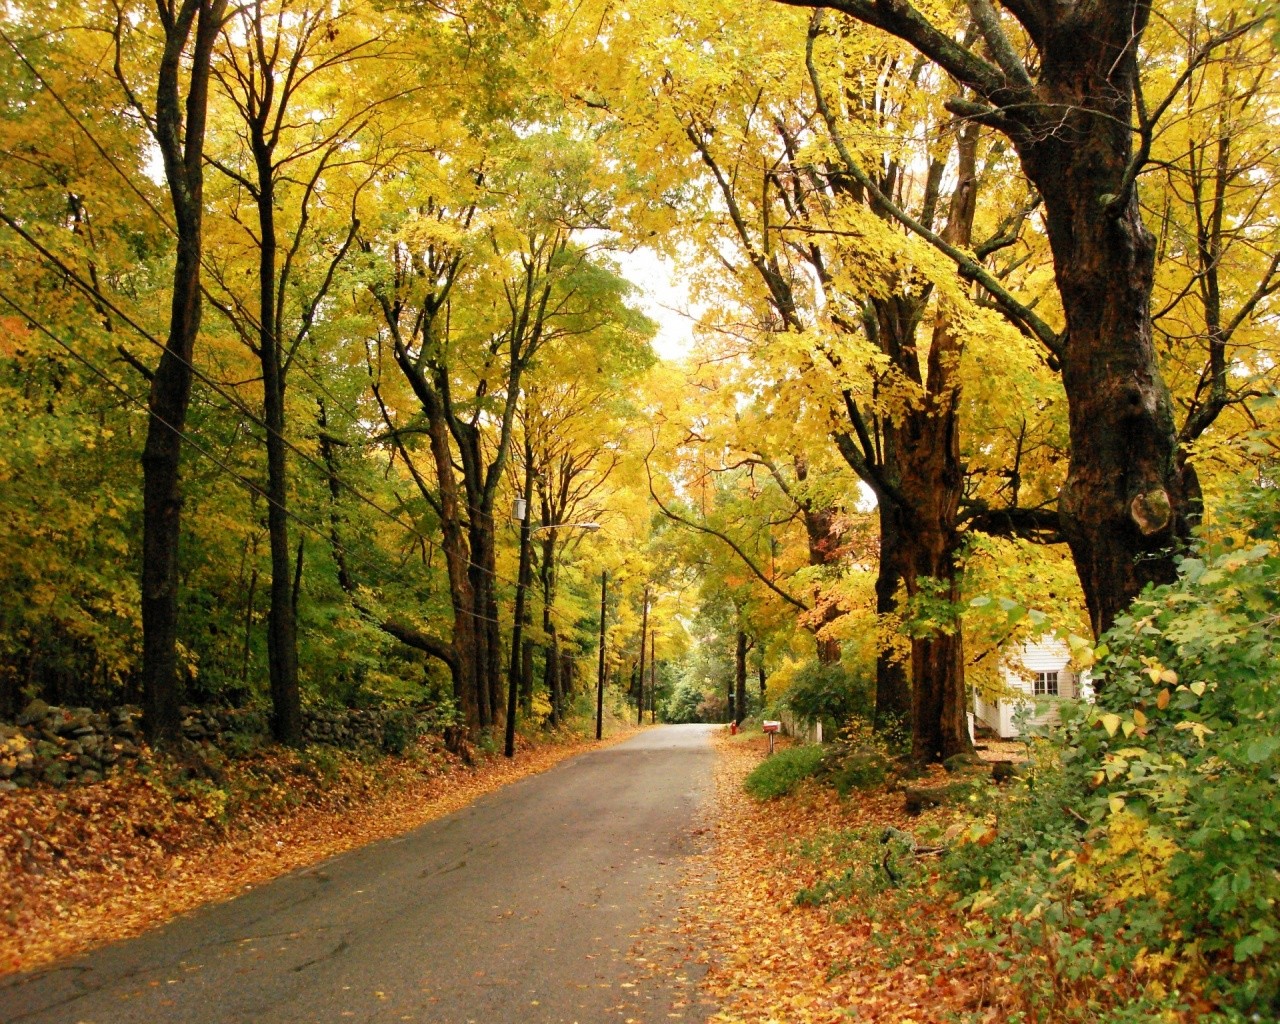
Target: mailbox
x,y
772,726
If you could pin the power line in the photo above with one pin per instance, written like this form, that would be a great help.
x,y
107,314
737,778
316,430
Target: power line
x,y
249,484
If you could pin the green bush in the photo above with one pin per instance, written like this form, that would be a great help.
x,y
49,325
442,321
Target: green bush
x,y
782,772
858,759
829,693
400,730
1141,858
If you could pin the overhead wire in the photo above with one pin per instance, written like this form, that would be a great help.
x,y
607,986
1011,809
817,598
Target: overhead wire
x,y
233,400
249,484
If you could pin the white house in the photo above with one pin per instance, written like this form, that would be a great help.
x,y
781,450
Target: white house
x,y
1046,680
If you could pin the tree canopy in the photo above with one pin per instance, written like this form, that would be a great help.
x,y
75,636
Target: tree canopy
x,y
299,301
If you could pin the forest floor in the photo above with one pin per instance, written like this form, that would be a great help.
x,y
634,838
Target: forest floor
x,y
98,862
803,925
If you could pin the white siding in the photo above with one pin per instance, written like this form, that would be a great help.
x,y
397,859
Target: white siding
x,y
1046,655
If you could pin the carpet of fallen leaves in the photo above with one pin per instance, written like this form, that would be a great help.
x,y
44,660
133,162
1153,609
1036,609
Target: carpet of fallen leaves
x,y
94,863
888,957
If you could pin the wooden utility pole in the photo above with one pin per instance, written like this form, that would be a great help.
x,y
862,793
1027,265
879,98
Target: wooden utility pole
x,y
644,635
604,607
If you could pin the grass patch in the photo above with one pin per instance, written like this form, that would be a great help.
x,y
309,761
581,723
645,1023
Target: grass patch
x,y
781,773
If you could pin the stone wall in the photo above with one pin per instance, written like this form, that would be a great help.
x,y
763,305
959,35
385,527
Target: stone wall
x,y
58,745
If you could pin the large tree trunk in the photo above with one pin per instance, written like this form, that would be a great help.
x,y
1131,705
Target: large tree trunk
x,y
1068,108
182,150
1125,505
893,686
937,668
931,479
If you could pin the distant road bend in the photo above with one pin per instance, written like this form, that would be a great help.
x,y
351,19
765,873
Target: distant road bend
x,y
519,909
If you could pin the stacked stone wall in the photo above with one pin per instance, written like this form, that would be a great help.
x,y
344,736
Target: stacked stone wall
x,y
57,745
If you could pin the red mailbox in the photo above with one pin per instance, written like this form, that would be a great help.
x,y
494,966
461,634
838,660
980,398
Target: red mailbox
x,y
773,727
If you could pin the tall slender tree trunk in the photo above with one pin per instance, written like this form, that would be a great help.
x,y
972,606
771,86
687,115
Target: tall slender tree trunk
x,y
552,676
484,612
653,678
282,634
740,677
644,639
182,151
457,555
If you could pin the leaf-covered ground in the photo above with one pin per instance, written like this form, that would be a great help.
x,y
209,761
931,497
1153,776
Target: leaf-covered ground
x,y
858,947
104,861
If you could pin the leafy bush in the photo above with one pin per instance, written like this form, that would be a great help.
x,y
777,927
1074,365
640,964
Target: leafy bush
x,y
829,693
858,864
400,731
858,759
778,775
1140,863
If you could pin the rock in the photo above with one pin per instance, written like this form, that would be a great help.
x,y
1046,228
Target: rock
x,y
7,787
34,712
919,798
71,722
959,762
55,774
1003,771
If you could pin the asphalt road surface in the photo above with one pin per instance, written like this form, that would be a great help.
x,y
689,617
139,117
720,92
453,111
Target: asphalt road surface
x,y
535,904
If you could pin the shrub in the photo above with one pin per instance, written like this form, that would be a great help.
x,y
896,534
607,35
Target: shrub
x,y
1140,861
858,759
828,693
400,730
778,775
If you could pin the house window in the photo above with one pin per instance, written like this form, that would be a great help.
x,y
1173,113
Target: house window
x,y
1046,684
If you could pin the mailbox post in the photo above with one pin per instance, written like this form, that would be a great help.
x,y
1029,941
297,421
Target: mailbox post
x,y
772,729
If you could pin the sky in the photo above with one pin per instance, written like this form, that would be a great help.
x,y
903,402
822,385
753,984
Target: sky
x,y
664,297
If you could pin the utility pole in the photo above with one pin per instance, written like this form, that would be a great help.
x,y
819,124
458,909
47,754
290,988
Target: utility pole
x,y
604,606
513,670
644,631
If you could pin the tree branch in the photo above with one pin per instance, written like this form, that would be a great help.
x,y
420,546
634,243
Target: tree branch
x,y
724,538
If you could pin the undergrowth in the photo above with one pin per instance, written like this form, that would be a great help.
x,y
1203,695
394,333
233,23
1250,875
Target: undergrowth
x,y
783,771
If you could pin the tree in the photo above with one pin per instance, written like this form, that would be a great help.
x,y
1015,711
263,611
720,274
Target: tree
x,y
312,146
1063,83
178,127
470,294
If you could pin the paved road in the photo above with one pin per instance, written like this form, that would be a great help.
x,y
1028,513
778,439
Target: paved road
x,y
521,908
